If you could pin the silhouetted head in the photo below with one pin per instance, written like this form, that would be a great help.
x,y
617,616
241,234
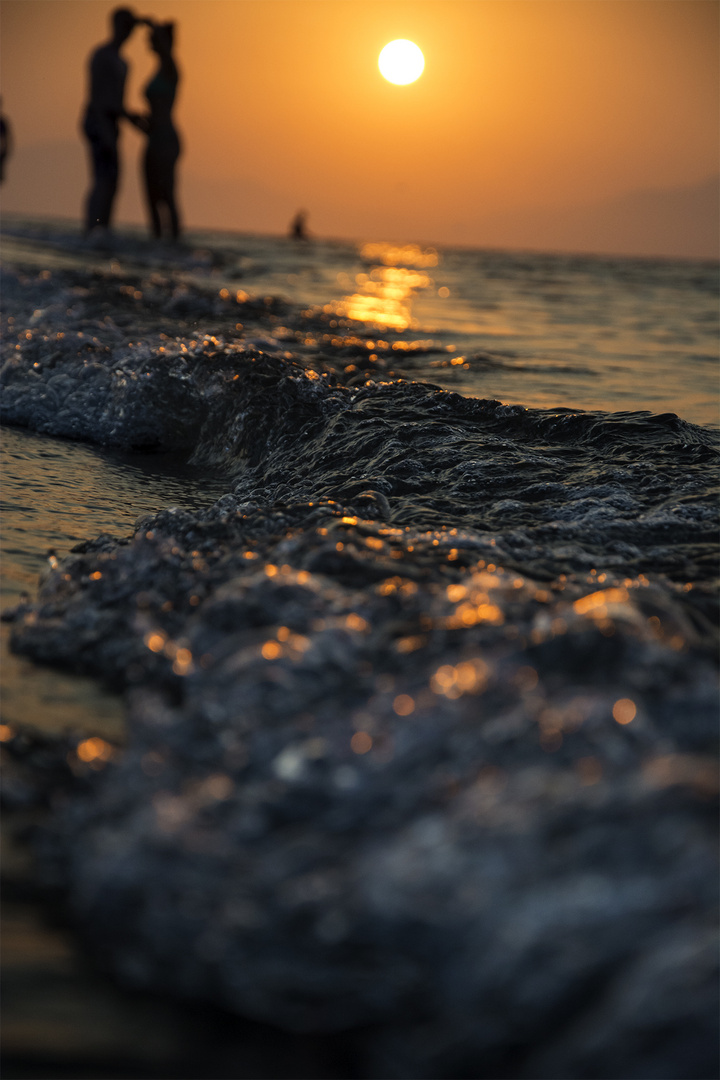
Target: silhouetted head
x,y
123,23
161,37
297,225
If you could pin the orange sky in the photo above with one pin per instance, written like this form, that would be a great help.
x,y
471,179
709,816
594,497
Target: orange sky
x,y
527,109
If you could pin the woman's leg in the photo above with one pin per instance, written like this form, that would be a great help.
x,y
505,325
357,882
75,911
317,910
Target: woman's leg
x,y
168,197
174,216
152,195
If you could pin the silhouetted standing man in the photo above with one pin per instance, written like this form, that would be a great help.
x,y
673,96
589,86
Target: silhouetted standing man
x,y
108,72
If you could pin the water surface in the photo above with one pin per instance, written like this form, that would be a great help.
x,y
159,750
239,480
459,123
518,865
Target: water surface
x,y
55,494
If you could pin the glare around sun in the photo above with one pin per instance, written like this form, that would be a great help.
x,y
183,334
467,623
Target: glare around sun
x,y
401,62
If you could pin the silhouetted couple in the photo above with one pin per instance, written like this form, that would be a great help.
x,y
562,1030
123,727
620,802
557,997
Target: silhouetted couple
x,y
108,72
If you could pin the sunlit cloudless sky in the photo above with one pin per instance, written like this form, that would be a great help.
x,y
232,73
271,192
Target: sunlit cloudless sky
x,y
523,104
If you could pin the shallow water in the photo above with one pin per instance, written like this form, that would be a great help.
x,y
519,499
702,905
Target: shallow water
x,y
538,329
56,493
430,690
561,330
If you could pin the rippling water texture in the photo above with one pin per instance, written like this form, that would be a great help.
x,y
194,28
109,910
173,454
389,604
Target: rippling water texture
x,y
581,332
418,649
54,495
535,329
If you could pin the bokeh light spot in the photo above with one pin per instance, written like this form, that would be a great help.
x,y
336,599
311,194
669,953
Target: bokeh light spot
x,y
624,710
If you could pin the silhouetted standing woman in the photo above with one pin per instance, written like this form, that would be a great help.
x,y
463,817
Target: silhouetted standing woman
x,y
163,145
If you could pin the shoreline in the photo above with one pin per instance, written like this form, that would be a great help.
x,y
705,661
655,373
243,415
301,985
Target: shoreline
x,y
138,230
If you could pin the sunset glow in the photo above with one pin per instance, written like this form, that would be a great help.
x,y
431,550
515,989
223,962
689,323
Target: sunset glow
x,y
401,62
518,133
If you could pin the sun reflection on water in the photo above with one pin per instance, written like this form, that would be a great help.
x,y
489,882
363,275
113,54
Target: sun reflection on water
x,y
383,297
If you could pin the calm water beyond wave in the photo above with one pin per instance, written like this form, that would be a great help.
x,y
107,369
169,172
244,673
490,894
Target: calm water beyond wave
x,y
404,562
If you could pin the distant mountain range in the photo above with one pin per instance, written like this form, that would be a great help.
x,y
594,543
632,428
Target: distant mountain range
x,y
50,178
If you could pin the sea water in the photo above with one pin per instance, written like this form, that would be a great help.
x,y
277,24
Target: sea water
x,y
537,329
428,690
577,331
55,494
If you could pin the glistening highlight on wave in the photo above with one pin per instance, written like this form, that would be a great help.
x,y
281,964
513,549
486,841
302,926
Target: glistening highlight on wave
x,y
425,702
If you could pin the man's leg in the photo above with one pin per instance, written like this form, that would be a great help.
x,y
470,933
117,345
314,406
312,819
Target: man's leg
x,y
106,170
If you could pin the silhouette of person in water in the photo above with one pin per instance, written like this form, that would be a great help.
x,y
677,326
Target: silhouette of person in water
x,y
163,145
6,142
298,226
108,72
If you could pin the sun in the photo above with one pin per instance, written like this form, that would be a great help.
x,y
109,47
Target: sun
x,y
401,62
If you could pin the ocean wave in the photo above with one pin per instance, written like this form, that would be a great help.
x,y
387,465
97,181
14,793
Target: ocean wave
x,y
421,712
371,761
538,481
